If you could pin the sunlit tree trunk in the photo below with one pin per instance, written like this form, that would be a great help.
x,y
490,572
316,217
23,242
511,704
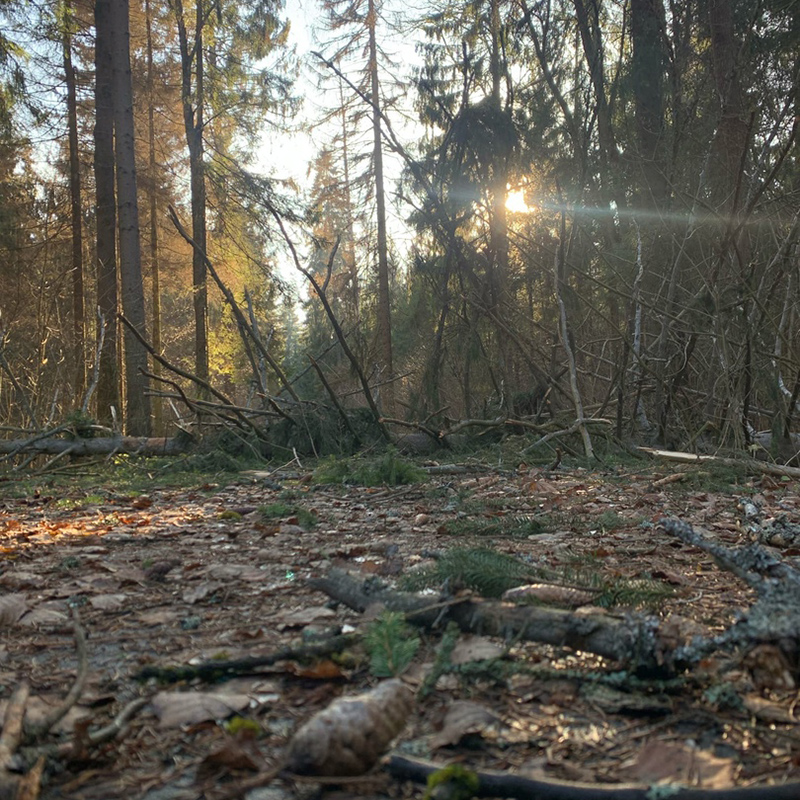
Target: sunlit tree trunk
x,y
137,401
78,319
350,244
498,193
152,187
384,302
108,390
193,110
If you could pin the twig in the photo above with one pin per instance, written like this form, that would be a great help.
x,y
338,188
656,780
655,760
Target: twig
x,y
189,376
12,724
58,713
493,783
101,320
237,312
334,322
335,400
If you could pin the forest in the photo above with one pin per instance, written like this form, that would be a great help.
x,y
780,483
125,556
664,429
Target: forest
x,y
566,213
399,399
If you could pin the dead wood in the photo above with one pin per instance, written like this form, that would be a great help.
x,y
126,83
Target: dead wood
x,y
775,616
244,420
494,783
335,400
337,328
751,464
12,724
73,695
220,670
103,445
237,312
630,638
643,643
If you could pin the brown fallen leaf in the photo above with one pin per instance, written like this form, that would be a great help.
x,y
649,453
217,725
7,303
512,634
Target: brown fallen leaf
x,y
770,668
475,648
232,756
349,736
462,719
174,709
667,762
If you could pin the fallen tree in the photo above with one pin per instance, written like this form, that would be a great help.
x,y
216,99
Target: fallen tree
x,y
103,445
644,644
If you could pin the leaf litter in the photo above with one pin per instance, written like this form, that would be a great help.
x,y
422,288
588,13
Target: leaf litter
x,y
171,579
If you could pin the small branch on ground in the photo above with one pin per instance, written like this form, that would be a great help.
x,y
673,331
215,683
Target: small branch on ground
x,y
494,783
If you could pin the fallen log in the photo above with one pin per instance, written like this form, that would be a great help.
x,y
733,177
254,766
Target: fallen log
x,y
104,445
641,643
629,637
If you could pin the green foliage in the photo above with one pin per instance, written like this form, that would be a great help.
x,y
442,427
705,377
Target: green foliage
x,y
322,432
442,662
305,518
241,726
387,470
485,571
609,520
391,644
519,526
491,573
460,782
716,477
723,697
80,425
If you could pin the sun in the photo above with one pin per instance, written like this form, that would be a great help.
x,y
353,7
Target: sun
x,y
515,202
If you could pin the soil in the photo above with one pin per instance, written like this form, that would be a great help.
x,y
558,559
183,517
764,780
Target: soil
x,y
182,576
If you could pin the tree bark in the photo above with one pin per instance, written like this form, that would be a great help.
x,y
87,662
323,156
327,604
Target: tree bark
x,y
647,29
108,390
384,303
152,190
137,402
193,109
78,314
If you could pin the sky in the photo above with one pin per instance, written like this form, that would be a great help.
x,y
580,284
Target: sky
x,y
287,156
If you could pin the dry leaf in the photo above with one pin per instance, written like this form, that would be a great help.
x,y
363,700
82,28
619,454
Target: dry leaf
x,y
666,762
108,602
464,718
475,648
231,757
770,668
174,709
350,735
12,608
304,616
196,593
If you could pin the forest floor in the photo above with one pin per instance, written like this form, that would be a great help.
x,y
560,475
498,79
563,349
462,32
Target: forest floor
x,y
179,575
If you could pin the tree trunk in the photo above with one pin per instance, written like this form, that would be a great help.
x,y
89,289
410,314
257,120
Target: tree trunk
x,y
193,125
498,190
152,187
384,305
349,250
78,316
732,131
108,390
647,24
137,402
